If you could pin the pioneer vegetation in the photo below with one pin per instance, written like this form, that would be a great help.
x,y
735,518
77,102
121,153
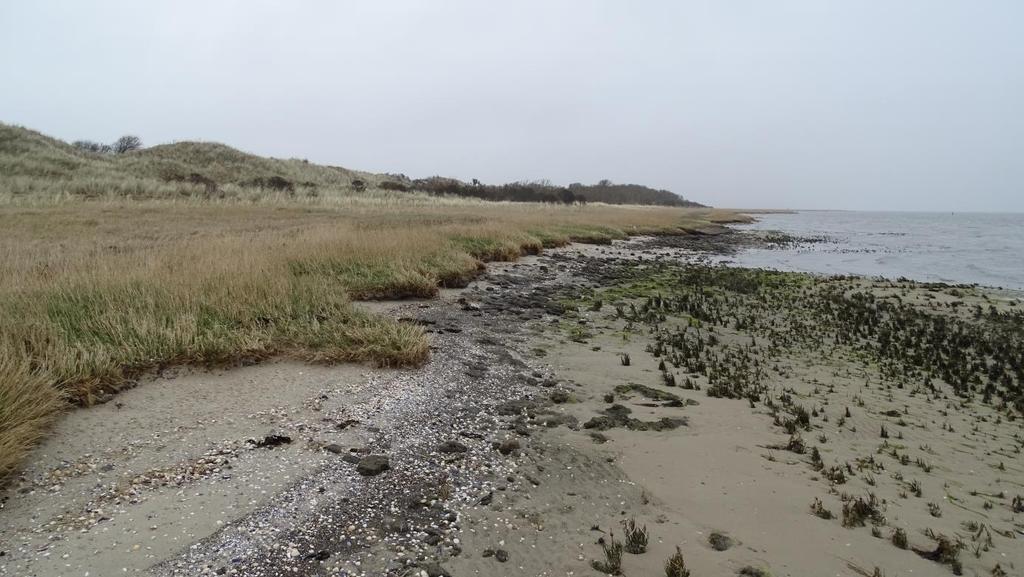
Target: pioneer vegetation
x,y
910,358
116,264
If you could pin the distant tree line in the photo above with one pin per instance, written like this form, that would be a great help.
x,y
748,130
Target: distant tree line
x,y
126,143
611,193
543,191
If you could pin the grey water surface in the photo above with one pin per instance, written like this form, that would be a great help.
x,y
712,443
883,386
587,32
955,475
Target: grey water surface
x,y
967,248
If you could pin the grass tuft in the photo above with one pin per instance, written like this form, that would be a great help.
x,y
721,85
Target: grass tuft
x,y
636,536
612,564
28,404
676,565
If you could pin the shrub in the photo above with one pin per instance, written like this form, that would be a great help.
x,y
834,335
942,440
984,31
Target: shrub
x,y
391,185
278,183
94,147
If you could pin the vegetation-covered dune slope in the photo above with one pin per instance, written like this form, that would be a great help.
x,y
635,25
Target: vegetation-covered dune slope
x,y
36,166
112,265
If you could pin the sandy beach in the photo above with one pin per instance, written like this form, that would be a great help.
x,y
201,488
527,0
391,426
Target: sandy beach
x,y
521,289
752,420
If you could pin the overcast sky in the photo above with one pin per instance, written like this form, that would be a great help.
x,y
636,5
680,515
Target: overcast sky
x,y
860,104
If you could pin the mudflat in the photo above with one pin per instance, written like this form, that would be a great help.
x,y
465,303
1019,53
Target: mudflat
x,y
618,409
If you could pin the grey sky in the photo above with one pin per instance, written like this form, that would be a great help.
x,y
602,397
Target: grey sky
x,y
869,104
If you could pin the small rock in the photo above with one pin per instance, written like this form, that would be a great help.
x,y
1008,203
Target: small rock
x,y
501,555
321,555
334,448
373,465
467,305
449,447
517,407
272,440
559,396
508,446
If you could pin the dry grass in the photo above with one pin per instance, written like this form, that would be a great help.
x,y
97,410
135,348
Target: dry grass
x,y
28,404
95,292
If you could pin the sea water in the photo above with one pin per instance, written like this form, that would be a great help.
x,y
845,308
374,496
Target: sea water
x,y
968,248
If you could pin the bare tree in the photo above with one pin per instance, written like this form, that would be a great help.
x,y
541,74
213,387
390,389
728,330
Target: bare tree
x,y
126,143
